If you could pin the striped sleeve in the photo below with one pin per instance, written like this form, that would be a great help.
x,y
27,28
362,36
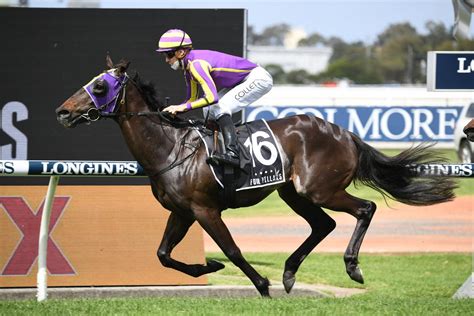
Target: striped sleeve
x,y
191,89
200,72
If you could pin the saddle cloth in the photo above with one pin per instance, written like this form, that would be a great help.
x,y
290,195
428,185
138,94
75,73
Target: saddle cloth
x,y
260,157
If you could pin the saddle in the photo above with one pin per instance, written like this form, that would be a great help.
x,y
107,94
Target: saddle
x,y
260,159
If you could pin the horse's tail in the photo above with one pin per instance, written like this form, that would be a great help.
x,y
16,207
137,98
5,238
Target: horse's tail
x,y
395,176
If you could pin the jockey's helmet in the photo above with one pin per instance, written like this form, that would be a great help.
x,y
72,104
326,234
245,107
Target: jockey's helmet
x,y
174,39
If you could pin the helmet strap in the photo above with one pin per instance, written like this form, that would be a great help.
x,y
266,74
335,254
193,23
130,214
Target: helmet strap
x,y
182,40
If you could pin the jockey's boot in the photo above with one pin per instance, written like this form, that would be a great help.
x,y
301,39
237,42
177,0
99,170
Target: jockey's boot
x,y
231,154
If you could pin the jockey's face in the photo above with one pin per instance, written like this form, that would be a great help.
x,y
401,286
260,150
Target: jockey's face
x,y
175,59
172,56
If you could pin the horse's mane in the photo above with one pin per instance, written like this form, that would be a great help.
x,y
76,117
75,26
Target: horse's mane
x,y
148,92
150,95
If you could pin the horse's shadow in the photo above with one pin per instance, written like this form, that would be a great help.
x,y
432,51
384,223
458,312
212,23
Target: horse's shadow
x,y
253,262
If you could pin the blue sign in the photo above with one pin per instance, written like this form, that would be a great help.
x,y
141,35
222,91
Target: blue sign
x,y
377,123
450,71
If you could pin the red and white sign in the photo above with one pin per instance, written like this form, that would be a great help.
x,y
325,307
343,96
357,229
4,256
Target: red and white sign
x,y
99,236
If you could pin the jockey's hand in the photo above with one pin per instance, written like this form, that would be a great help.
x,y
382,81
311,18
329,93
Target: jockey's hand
x,y
175,109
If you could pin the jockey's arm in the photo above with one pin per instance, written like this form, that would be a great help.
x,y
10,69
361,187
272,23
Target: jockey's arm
x,y
200,72
192,91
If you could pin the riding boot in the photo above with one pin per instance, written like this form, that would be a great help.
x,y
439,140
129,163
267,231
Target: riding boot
x,y
231,154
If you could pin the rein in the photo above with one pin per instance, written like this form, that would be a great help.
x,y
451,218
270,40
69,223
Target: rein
x,y
177,162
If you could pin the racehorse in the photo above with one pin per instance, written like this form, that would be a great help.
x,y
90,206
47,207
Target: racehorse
x,y
320,159
469,130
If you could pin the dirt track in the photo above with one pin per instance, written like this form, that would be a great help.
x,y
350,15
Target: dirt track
x,y
444,227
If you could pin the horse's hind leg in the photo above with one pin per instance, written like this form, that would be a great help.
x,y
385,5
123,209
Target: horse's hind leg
x,y
321,225
363,211
176,229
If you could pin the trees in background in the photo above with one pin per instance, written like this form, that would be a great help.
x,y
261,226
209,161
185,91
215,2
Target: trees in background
x,y
397,56
271,36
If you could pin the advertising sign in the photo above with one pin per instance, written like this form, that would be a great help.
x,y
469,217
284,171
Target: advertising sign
x,y
99,236
71,168
377,123
450,71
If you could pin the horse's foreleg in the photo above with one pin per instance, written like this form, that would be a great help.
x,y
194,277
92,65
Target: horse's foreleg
x,y
176,229
363,211
212,223
321,225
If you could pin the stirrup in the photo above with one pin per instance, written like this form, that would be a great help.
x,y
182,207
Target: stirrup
x,y
219,159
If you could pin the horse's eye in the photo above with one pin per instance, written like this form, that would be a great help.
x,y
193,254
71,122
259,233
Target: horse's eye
x,y
100,88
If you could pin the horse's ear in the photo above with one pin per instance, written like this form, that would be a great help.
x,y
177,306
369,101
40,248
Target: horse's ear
x,y
109,62
122,66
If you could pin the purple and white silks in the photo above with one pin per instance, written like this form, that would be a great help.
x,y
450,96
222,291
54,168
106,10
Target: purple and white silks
x,y
212,71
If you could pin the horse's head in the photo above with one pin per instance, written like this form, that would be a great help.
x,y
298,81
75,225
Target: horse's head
x,y
469,130
97,98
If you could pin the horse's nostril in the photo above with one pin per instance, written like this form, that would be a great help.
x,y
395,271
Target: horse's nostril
x,y
63,113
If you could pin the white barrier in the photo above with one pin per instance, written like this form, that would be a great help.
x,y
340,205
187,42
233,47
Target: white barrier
x,y
42,276
56,169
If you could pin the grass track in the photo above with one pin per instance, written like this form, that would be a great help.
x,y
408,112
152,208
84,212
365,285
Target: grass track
x,y
420,284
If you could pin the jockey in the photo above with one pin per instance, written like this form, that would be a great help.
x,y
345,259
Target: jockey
x,y
226,82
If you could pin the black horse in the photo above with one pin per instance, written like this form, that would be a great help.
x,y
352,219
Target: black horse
x,y
320,160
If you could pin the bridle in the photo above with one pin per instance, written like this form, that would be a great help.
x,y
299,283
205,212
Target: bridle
x,y
109,107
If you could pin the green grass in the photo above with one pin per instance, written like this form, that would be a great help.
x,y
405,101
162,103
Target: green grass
x,y
274,206
420,284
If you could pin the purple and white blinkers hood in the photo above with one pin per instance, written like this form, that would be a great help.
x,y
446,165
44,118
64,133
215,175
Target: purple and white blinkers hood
x,y
106,102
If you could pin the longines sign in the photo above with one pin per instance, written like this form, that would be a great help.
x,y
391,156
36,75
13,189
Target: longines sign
x,y
70,168
450,71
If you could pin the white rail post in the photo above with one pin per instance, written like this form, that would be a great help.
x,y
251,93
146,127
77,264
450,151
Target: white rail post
x,y
42,276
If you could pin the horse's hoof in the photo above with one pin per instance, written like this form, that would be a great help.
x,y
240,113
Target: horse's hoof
x,y
288,281
356,275
263,288
215,265
265,293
